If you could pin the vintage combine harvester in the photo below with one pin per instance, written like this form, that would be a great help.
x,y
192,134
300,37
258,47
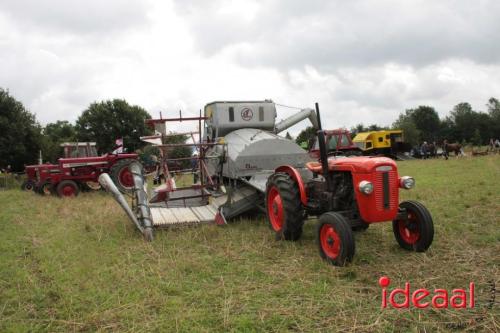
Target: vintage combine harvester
x,y
243,165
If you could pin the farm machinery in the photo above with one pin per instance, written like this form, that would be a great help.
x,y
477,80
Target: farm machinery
x,y
79,169
243,165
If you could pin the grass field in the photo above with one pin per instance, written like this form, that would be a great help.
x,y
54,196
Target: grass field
x,y
79,265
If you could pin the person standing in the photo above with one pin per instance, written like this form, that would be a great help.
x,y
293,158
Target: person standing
x,y
424,149
194,168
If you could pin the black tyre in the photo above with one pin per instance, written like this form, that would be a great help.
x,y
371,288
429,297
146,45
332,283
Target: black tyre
x,y
335,239
283,207
361,227
45,188
121,175
416,231
28,185
67,189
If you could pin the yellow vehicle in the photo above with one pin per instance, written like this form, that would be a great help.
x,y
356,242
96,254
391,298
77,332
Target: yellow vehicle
x,y
387,143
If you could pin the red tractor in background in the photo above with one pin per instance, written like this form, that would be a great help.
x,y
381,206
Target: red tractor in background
x,y
345,193
78,170
338,143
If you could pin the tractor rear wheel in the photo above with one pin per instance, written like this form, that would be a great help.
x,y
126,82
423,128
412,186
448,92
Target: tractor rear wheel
x,y
335,239
283,207
45,188
28,185
416,231
121,175
67,188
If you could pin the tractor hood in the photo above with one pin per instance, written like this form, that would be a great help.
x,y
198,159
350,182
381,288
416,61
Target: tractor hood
x,y
361,164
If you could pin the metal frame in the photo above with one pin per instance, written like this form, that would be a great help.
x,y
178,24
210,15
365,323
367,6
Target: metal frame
x,y
206,180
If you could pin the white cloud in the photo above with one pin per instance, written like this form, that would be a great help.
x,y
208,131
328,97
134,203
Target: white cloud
x,y
363,63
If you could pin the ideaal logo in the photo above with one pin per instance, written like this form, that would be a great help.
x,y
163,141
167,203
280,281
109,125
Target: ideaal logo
x,y
423,298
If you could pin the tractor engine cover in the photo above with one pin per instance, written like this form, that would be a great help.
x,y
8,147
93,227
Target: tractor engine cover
x,y
251,150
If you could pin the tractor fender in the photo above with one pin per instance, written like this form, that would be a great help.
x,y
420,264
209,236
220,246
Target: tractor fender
x,y
295,175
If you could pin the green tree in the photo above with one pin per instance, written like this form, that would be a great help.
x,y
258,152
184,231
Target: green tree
x,y
179,152
494,113
427,122
405,123
53,135
20,138
305,136
466,121
106,121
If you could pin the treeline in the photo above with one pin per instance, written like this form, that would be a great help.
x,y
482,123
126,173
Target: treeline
x,y
22,137
463,124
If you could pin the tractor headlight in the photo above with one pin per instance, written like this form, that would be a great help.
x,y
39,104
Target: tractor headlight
x,y
365,187
407,182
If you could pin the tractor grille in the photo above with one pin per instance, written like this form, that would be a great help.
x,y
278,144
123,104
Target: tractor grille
x,y
386,191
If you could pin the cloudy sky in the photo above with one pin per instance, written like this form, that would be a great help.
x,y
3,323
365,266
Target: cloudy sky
x,y
363,61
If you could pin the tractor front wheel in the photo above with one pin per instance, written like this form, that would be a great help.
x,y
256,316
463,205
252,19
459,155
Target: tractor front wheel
x,y
415,231
67,188
45,188
283,207
28,185
121,175
335,239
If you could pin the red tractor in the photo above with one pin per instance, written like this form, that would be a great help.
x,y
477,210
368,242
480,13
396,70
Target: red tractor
x,y
346,193
79,169
338,143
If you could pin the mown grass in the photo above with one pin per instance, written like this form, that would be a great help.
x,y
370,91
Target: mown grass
x,y
79,265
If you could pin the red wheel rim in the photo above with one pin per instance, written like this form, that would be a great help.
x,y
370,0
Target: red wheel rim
x,y
409,230
126,178
275,208
68,191
330,241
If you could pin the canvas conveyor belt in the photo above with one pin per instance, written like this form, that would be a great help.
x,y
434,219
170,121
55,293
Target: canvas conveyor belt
x,y
180,213
169,217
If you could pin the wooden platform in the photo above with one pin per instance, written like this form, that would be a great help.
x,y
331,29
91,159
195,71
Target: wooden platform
x,y
167,217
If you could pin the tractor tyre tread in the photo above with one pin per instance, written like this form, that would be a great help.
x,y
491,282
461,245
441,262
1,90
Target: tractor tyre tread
x,y
344,231
114,172
293,212
426,227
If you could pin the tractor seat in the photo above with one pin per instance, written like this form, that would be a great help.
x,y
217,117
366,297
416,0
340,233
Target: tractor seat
x,y
316,167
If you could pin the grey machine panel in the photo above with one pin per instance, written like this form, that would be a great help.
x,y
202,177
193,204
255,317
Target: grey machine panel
x,y
224,117
250,151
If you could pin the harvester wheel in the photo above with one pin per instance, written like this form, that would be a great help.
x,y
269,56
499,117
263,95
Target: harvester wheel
x,y
283,207
45,188
67,188
416,232
335,239
28,185
121,175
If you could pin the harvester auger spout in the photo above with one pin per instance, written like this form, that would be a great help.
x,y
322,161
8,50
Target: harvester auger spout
x,y
139,213
296,118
